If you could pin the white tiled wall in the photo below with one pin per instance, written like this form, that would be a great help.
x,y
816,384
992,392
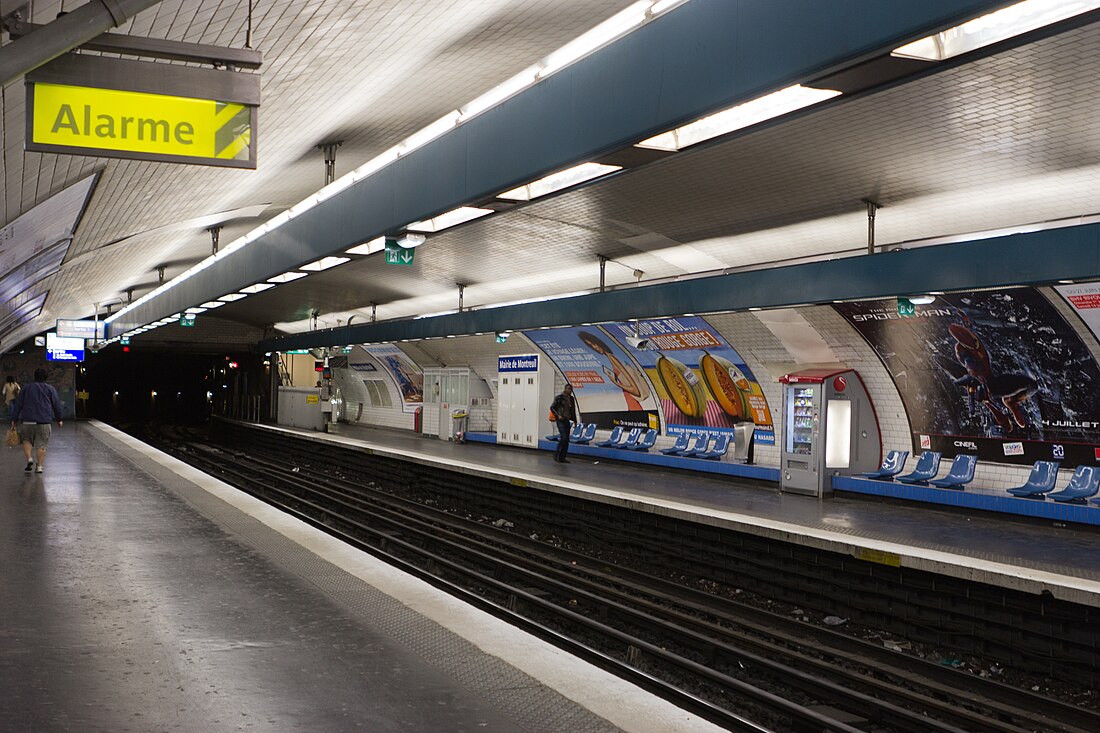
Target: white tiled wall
x,y
354,393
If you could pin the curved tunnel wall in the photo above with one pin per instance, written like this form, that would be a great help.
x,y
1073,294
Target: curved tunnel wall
x,y
761,350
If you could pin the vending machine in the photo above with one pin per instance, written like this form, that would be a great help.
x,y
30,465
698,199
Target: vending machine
x,y
829,429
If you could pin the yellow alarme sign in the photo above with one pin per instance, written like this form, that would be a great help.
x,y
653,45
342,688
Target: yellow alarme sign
x,y
134,122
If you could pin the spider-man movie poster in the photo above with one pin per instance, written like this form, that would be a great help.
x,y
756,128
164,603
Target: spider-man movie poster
x,y
999,374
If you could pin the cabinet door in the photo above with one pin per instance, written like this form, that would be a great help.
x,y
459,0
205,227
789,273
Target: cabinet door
x,y
504,408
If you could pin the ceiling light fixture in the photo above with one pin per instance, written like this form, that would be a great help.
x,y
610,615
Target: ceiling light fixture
x,y
994,28
617,25
449,219
287,277
408,241
325,263
921,299
230,297
743,115
368,248
257,288
557,181
213,304
195,311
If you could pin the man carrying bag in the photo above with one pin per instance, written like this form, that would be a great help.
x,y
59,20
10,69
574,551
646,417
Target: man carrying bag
x,y
564,412
38,405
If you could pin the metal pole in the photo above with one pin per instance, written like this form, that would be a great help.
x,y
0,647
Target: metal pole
x,y
603,273
461,293
373,311
329,150
872,209
215,235
44,44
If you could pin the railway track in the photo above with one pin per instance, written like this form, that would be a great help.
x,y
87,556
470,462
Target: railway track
x,y
735,664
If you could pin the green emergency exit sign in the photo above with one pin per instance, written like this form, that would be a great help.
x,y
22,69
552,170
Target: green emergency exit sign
x,y
187,320
398,255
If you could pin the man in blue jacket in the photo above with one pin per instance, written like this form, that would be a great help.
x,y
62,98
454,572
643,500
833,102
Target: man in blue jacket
x,y
38,405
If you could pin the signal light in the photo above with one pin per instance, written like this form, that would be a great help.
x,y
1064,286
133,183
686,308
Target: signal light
x,y
126,348
232,365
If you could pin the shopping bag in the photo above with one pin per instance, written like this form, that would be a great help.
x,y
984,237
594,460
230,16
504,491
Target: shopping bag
x,y
12,437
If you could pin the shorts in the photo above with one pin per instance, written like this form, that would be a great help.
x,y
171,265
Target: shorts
x,y
37,434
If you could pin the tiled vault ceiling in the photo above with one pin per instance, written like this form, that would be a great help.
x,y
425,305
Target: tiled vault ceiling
x,y
368,72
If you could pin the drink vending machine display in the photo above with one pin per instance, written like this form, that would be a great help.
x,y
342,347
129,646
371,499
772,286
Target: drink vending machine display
x,y
829,429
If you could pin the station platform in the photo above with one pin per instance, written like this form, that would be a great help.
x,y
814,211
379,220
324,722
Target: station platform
x,y
1028,555
140,594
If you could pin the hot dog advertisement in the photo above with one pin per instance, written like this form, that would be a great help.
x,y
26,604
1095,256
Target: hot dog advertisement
x,y
610,388
702,382
1000,374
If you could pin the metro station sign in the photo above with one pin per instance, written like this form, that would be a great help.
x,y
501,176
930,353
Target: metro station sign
x,y
92,105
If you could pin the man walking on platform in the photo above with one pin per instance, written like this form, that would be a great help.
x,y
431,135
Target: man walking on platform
x,y
564,408
38,404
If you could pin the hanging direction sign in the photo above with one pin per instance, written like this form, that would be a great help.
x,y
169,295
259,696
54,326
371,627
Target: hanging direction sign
x,y
93,105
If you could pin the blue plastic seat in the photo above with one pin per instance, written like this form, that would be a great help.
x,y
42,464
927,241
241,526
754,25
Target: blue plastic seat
x,y
928,465
1043,476
647,441
961,473
587,434
616,434
630,440
891,466
574,434
700,446
721,445
681,445
1084,483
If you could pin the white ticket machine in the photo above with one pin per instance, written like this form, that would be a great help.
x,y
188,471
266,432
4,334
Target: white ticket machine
x,y
829,429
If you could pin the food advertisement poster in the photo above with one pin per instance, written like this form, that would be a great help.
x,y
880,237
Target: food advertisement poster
x,y
610,388
999,374
702,383
403,371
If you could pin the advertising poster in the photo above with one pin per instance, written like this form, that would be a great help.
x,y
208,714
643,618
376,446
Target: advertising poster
x,y
610,388
703,384
404,372
999,374
1085,301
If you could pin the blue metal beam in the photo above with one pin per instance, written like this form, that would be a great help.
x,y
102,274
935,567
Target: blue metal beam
x,y
701,57
1016,259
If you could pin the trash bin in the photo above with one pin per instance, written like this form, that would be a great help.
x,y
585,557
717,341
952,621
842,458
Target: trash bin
x,y
742,441
458,430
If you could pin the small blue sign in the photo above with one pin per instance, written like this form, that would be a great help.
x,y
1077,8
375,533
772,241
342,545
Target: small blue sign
x,y
526,363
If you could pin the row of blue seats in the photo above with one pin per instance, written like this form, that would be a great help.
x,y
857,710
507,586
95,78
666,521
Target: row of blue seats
x,y
687,445
1084,483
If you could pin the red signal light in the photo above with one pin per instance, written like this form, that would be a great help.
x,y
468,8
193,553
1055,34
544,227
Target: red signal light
x,y
126,349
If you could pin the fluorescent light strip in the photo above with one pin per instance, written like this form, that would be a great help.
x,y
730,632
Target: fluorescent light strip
x,y
616,26
257,288
286,277
449,219
607,32
558,181
368,248
231,297
743,115
994,28
213,304
195,311
325,263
